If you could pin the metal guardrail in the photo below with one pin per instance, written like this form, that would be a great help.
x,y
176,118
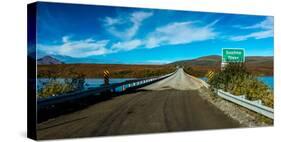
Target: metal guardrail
x,y
72,96
256,106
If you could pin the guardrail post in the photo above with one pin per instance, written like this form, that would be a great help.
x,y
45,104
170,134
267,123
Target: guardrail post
x,y
243,96
258,102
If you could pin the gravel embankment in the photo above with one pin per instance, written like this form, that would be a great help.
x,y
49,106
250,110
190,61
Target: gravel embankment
x,y
244,116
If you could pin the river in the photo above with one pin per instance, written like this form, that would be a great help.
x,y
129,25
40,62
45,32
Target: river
x,y
89,82
96,82
268,80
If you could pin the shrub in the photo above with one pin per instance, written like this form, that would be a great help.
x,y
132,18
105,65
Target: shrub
x,y
238,81
55,87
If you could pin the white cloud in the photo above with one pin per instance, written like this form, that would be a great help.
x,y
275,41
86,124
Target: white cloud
x,y
255,35
180,33
171,34
65,39
135,19
76,48
138,17
126,45
158,62
111,21
265,28
265,24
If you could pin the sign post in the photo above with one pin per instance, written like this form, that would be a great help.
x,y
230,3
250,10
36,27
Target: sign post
x,y
232,55
106,77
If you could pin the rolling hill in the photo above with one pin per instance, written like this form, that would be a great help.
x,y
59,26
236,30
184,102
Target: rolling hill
x,y
210,61
259,65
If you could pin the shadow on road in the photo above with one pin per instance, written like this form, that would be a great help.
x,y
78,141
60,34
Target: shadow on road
x,y
69,107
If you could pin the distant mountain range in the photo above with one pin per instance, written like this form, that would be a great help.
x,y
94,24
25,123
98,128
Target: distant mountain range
x,y
48,60
208,61
258,65
81,60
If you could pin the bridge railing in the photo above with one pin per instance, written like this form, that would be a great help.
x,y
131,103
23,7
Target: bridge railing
x,y
76,95
255,106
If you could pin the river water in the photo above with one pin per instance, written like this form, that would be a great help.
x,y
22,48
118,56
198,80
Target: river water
x,y
96,82
268,80
89,82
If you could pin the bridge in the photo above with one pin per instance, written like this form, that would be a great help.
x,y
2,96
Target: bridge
x,y
167,103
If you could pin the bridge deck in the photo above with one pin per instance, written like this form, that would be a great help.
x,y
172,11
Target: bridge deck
x,y
139,112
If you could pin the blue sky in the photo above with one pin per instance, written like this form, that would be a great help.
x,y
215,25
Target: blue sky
x,y
145,36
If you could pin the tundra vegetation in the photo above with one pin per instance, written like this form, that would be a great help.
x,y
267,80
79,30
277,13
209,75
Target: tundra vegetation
x,y
74,75
96,70
238,81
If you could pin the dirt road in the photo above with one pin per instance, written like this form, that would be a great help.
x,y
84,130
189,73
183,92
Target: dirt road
x,y
179,81
140,112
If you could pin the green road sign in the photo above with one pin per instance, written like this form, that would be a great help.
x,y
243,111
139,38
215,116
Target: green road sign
x,y
230,55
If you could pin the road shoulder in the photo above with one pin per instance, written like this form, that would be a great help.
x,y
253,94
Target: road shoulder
x,y
244,116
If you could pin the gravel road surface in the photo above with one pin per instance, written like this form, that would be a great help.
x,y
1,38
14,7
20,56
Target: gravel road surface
x,y
179,81
141,112
172,104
